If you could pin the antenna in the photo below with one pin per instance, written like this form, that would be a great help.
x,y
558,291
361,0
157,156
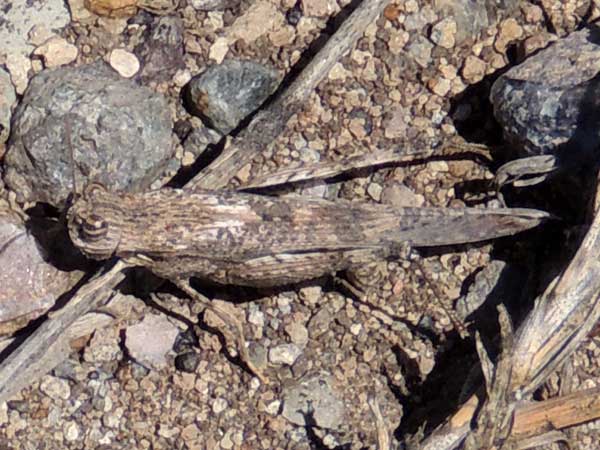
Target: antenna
x,y
72,155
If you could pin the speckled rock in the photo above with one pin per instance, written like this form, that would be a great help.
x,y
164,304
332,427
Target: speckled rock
x,y
18,18
226,93
121,134
550,103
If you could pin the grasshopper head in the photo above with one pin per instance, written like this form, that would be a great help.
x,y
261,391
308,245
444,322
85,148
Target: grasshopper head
x,y
93,223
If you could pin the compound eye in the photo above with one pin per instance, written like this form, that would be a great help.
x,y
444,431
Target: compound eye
x,y
93,227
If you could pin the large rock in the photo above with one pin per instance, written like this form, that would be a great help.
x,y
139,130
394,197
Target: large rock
x,y
226,93
120,134
29,284
550,103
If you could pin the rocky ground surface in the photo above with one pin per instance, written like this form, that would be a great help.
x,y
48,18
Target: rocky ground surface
x,y
157,378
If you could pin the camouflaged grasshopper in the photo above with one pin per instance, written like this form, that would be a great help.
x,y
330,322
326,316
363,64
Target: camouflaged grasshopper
x,y
255,240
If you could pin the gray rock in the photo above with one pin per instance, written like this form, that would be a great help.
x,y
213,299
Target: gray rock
x,y
319,323
482,286
121,134
149,341
258,355
226,93
551,102
213,5
284,354
473,16
29,284
419,19
8,98
161,51
496,283
313,399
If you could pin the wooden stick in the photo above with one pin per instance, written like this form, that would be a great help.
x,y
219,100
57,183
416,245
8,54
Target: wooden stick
x,y
539,417
270,122
329,169
49,344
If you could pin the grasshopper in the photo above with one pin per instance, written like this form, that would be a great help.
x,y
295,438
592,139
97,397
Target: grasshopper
x,y
255,240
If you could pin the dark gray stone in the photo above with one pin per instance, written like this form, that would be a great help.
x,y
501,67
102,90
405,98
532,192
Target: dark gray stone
x,y
187,362
496,283
226,93
550,104
185,341
161,52
313,400
7,99
121,134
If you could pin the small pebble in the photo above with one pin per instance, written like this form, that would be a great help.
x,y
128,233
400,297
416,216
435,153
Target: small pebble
x,y
124,62
187,362
474,69
374,190
149,341
71,431
219,405
256,317
56,52
284,354
297,333
444,33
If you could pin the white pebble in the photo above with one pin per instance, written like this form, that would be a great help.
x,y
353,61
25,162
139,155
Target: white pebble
x,y
124,62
